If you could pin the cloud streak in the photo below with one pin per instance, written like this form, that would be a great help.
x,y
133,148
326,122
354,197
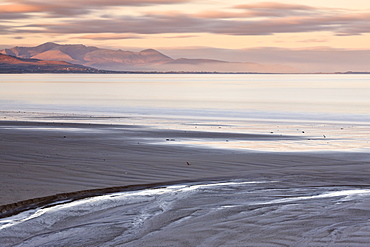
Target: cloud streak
x,y
106,36
275,6
68,8
265,18
266,9
162,24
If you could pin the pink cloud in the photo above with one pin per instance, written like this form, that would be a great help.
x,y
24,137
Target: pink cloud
x,y
275,6
107,36
264,9
68,8
21,8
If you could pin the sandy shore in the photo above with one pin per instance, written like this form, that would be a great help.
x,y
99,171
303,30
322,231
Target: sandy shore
x,y
44,158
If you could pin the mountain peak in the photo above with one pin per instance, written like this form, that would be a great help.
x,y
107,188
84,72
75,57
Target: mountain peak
x,y
48,45
154,56
149,51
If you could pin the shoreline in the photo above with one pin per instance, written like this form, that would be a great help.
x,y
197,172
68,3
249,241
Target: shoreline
x,y
98,71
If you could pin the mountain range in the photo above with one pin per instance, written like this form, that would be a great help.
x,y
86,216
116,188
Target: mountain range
x,y
12,64
145,60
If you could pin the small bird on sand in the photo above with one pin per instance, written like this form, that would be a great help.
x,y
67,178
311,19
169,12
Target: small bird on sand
x,y
188,163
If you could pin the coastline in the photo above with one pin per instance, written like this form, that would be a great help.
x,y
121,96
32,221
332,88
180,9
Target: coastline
x,y
18,71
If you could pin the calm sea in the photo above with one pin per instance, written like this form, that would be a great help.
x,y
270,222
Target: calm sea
x,y
303,97
331,111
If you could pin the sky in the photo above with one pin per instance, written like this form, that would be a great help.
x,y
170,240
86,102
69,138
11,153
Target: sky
x,y
183,26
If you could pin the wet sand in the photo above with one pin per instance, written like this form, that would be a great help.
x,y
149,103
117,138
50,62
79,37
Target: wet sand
x,y
50,156
44,158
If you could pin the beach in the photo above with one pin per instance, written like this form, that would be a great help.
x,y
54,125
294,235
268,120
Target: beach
x,y
43,158
75,160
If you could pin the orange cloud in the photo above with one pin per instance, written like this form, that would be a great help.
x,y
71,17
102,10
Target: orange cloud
x,y
20,8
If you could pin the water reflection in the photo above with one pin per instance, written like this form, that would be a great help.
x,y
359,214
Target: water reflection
x,y
231,95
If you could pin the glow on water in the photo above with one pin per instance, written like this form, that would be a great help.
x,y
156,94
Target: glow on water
x,y
257,95
331,110
280,135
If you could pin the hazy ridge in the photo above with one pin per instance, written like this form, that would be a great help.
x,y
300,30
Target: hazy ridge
x,y
145,60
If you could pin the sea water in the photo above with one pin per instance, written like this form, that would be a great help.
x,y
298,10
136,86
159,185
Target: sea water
x,y
303,97
330,111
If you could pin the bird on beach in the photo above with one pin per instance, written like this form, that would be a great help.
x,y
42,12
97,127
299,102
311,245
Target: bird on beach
x,y
188,163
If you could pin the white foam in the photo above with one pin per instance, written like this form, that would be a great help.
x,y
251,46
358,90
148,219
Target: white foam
x,y
342,193
116,198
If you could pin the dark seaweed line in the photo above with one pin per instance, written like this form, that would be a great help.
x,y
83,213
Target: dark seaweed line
x,y
47,201
43,202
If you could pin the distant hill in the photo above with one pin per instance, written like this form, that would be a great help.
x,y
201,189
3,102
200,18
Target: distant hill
x,y
208,65
146,60
89,56
11,64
